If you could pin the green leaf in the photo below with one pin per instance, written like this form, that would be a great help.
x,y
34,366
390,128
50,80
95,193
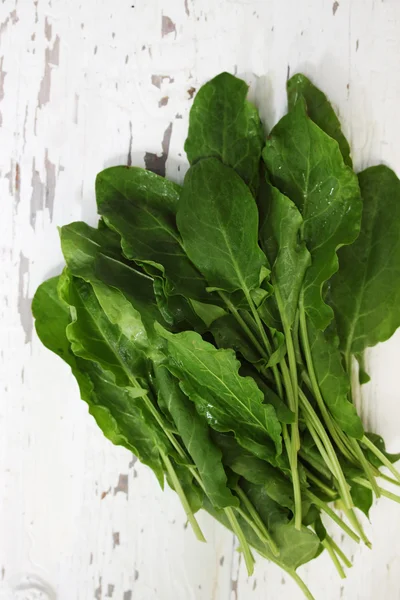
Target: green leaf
x,y
362,497
228,334
306,165
333,380
228,401
363,376
194,432
141,206
257,471
116,339
295,547
116,410
284,414
224,125
218,221
95,255
319,109
280,230
365,292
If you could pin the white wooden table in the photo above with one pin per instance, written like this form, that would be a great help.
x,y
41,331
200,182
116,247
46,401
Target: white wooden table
x,y
86,84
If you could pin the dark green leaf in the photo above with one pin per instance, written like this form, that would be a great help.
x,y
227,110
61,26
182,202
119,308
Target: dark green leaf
x,y
218,221
228,401
194,432
95,255
280,230
141,206
363,376
366,291
257,471
116,409
223,124
362,497
115,339
306,165
319,109
228,334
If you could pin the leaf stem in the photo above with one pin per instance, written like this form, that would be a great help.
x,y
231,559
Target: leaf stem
x,y
257,520
339,552
366,466
382,491
333,459
238,531
179,490
327,545
350,514
384,460
322,486
331,513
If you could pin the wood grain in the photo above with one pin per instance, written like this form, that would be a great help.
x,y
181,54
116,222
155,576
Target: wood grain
x,y
89,84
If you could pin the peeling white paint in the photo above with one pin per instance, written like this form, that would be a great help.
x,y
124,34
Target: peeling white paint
x,y
74,100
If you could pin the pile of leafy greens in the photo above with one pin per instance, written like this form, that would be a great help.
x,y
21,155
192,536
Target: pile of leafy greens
x,y
211,327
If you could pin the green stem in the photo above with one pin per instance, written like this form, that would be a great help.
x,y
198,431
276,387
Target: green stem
x,y
350,514
314,383
324,507
257,520
387,478
344,488
334,558
179,490
237,530
298,518
295,435
339,552
313,462
384,460
322,486
366,466
382,491
232,308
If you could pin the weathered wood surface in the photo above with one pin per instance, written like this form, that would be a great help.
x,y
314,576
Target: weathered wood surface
x,y
86,84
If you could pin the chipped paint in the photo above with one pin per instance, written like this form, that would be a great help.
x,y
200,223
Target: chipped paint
x,y
37,196
129,158
127,595
335,6
12,18
157,163
50,170
17,184
187,8
133,461
24,302
163,101
47,29
167,26
136,575
191,92
157,80
98,592
52,59
115,536
2,78
122,485
110,590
